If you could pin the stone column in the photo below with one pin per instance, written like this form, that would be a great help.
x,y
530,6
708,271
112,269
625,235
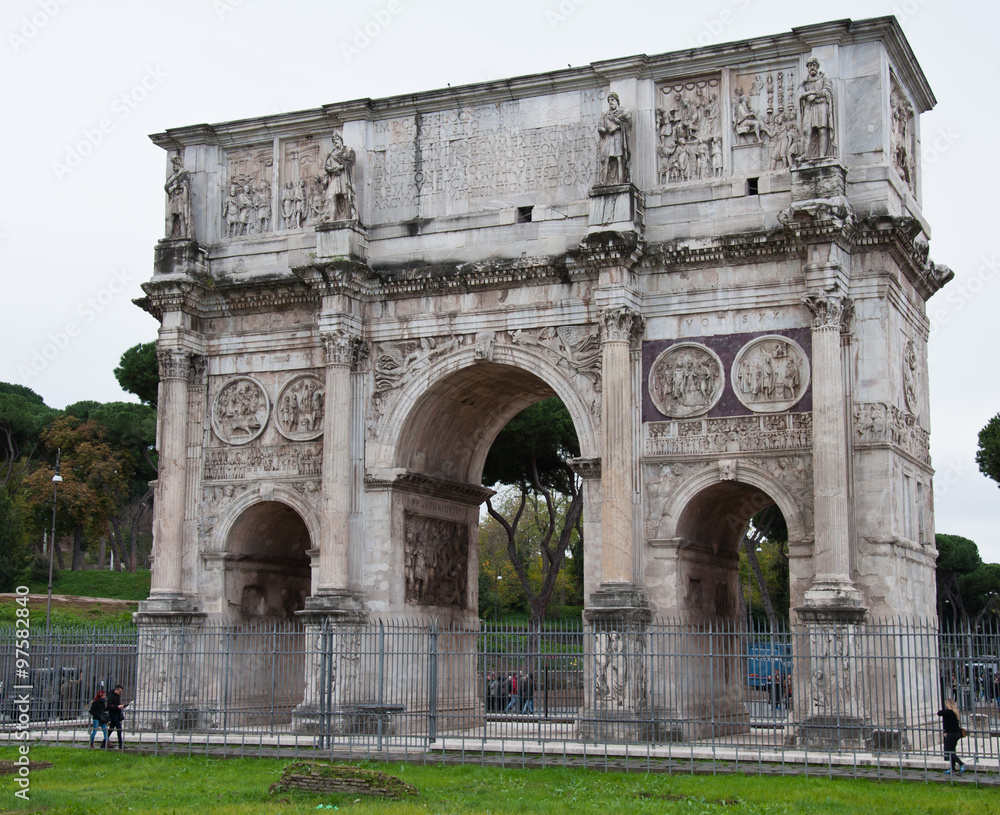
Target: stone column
x,y
617,453
334,544
832,586
168,528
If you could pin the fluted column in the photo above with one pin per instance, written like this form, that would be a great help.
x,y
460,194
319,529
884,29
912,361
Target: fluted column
x,y
168,528
832,585
334,573
619,325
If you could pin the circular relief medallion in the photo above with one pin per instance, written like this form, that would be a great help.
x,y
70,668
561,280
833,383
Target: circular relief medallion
x,y
298,411
770,374
686,380
239,413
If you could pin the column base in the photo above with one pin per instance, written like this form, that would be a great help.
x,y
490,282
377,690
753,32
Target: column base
x,y
159,606
834,732
834,599
627,726
618,603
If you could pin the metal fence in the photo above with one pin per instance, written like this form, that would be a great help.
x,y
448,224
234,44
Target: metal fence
x,y
821,692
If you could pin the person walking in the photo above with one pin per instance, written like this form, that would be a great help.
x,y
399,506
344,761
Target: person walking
x,y
99,713
952,733
512,704
117,710
528,692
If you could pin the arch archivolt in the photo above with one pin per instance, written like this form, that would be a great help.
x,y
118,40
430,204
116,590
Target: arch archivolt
x,y
787,483
285,494
437,410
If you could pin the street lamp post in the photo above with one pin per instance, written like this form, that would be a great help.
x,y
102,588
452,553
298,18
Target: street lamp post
x,y
496,596
56,479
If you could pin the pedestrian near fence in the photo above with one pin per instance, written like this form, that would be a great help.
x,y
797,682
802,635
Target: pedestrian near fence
x,y
953,731
117,710
99,713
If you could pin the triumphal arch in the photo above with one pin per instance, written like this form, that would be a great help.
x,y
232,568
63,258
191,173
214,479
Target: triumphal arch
x,y
716,259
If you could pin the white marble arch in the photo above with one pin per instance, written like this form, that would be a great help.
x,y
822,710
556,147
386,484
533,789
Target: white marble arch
x,y
422,414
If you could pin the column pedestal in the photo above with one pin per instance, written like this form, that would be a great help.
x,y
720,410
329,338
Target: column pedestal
x,y
616,670
333,622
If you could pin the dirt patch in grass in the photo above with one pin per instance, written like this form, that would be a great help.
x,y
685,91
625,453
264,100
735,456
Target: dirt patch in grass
x,y
10,768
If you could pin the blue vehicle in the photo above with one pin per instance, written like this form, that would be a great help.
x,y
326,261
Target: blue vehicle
x,y
764,658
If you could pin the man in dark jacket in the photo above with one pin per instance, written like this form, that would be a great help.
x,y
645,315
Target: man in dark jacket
x,y
117,710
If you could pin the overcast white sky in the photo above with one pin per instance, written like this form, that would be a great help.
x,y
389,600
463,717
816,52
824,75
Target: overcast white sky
x,y
76,241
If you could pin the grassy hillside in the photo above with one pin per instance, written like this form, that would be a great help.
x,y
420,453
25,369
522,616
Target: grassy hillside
x,y
93,583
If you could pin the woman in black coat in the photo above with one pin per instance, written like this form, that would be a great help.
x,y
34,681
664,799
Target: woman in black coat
x,y
98,712
952,733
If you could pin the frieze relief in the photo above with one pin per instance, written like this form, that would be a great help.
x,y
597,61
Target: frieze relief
x,y
738,434
686,380
881,423
689,131
299,409
437,559
765,120
910,376
240,410
902,136
234,464
246,206
770,374
303,193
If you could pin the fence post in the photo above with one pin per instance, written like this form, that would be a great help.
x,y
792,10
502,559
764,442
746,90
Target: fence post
x,y
432,685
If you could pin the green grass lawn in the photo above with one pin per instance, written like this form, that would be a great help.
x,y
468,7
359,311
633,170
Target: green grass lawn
x,y
91,781
97,583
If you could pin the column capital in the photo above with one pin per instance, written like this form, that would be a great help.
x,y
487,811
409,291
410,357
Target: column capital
x,y
830,309
174,363
621,324
342,348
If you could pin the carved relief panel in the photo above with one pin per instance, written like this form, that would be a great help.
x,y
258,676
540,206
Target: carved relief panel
x,y
903,137
765,120
686,380
302,186
436,561
770,374
240,410
299,409
246,201
689,131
